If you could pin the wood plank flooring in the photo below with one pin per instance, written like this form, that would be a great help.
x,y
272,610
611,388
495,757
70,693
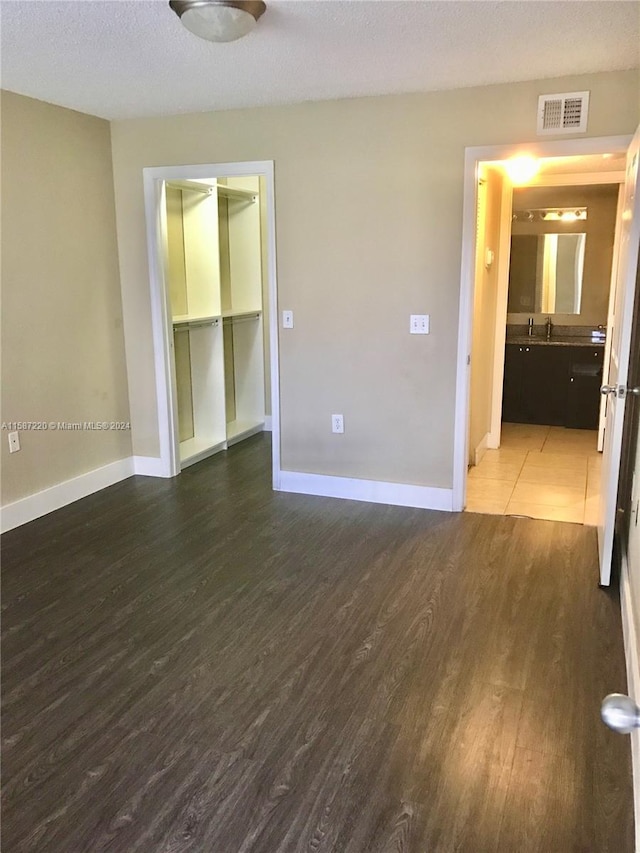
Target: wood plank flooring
x,y
205,665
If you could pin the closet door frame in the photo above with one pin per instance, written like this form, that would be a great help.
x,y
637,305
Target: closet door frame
x,y
154,179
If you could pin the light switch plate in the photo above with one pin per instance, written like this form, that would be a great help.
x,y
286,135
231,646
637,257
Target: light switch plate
x,y
287,319
419,324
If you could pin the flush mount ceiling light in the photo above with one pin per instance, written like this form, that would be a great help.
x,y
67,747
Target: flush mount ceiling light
x,y
218,20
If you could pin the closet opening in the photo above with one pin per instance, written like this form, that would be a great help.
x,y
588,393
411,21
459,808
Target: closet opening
x,y
212,253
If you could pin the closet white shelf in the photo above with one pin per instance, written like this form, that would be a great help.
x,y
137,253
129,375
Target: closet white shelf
x,y
236,194
237,430
194,449
232,315
189,319
191,186
232,193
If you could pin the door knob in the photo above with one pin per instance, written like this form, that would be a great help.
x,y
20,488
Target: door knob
x,y
620,390
620,713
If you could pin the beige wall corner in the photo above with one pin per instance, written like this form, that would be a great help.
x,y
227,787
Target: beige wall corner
x,y
369,228
63,357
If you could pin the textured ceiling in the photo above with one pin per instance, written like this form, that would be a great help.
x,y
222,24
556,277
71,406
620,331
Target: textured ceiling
x,y
128,58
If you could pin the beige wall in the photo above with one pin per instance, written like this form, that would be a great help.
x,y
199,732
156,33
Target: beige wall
x,y
485,307
62,338
601,202
369,221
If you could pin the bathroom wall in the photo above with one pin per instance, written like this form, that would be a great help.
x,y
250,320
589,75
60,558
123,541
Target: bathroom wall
x,y
601,203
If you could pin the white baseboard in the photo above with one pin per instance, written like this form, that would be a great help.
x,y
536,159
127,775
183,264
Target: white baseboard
x,y
372,491
55,497
149,466
481,449
633,682
267,423
493,441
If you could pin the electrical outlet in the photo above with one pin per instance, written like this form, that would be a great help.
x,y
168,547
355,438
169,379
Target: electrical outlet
x,y
337,423
419,324
287,319
14,442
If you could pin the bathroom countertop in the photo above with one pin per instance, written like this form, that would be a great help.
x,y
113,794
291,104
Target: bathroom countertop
x,y
560,341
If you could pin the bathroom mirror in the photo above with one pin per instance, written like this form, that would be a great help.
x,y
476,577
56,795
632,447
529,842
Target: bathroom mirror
x,y
545,273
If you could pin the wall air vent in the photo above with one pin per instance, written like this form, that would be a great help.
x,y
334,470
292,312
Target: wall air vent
x,y
564,113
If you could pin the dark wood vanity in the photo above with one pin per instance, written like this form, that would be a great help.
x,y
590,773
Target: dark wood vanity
x,y
553,382
559,273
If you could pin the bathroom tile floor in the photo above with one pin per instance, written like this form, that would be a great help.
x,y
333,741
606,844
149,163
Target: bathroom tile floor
x,y
539,471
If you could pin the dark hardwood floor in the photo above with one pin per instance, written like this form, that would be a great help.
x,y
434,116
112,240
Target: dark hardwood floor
x,y
204,665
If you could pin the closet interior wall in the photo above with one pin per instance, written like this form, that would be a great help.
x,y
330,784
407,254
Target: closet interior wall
x,y
215,282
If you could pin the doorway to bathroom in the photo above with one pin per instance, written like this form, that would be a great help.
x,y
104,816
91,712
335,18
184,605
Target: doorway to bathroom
x,y
543,459
544,259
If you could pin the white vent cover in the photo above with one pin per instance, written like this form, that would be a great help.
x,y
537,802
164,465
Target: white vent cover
x,y
564,113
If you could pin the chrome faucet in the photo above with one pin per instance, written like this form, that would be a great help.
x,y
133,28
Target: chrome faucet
x,y
549,326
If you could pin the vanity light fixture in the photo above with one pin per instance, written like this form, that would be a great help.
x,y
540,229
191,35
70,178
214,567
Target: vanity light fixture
x,y
218,20
550,214
559,215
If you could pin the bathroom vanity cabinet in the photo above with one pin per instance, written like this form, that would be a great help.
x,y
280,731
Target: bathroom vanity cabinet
x,y
552,383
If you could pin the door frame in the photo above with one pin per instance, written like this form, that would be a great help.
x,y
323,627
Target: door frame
x,y
504,261
473,157
610,315
154,179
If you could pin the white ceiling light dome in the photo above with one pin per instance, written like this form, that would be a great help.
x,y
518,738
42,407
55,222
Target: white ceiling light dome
x,y
218,20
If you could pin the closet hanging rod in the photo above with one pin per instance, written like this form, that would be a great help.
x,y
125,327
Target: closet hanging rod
x,y
233,193
192,186
245,318
184,327
237,194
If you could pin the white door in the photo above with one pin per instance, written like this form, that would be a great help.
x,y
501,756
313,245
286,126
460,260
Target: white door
x,y
616,389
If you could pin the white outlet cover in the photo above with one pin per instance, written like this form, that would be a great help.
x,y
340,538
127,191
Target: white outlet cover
x,y
337,423
287,319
